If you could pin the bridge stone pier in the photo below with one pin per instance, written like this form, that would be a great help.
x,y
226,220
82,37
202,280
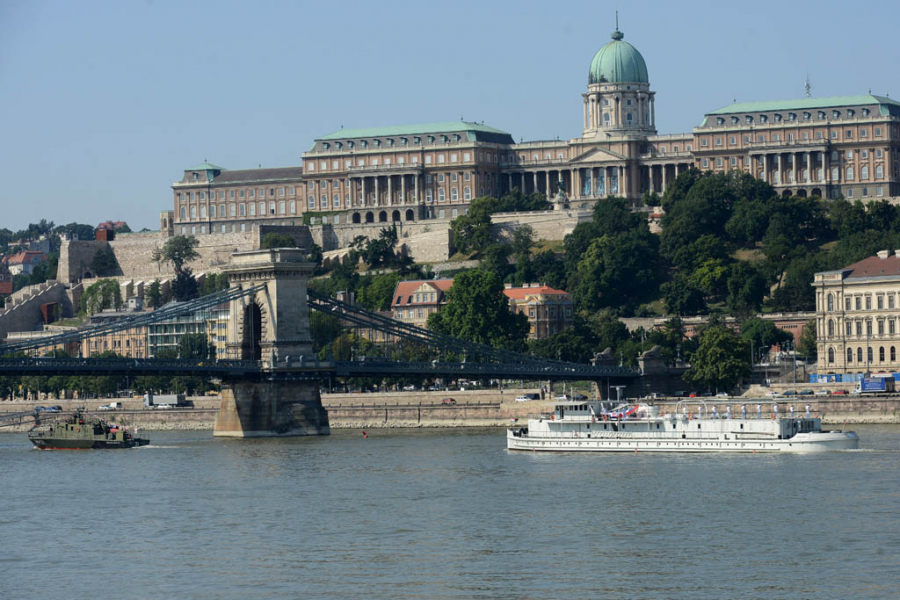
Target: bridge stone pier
x,y
271,326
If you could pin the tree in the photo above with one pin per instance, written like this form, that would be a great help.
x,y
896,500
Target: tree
x,y
472,231
617,270
682,297
378,292
101,295
184,287
104,263
746,289
721,359
153,295
495,259
277,240
522,241
478,311
178,250
808,346
763,334
608,331
196,346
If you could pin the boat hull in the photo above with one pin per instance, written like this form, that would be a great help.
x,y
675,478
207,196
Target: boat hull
x,y
49,443
801,443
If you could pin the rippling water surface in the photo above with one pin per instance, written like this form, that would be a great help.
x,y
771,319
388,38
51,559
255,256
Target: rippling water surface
x,y
444,514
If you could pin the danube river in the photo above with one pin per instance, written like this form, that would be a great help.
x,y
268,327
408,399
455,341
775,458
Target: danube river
x,y
444,513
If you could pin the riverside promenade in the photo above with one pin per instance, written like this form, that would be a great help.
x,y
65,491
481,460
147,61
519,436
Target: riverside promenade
x,y
479,408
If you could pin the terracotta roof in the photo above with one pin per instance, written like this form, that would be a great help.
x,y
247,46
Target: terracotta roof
x,y
21,257
406,288
875,267
522,293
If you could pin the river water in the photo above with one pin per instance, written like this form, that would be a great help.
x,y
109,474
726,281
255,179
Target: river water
x,y
444,513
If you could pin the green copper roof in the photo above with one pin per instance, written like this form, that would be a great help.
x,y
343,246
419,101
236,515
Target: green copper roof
x,y
424,129
205,167
809,103
618,62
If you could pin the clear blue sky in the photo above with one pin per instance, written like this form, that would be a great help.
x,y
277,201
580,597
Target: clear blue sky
x,y
103,104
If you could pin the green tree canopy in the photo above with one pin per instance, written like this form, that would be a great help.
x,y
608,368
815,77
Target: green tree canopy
x,y
721,359
277,240
763,333
478,311
178,250
100,295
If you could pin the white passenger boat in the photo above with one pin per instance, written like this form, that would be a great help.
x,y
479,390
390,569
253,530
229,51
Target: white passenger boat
x,y
692,427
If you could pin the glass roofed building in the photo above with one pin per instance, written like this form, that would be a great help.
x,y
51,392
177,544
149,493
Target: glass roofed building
x,y
828,147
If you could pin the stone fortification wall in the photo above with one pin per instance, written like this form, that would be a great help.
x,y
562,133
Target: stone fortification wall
x,y
547,225
133,252
24,313
425,241
75,258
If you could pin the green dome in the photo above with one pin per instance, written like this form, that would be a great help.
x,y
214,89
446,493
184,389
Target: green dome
x,y
618,62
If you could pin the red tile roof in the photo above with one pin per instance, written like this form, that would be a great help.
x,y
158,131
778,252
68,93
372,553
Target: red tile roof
x,y
875,267
24,256
406,288
522,293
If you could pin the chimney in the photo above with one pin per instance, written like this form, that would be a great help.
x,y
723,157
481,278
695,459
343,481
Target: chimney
x,y
897,252
884,253
507,286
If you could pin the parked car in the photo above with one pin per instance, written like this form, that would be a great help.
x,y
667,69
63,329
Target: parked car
x,y
790,393
561,397
722,395
527,397
409,388
822,392
693,395
707,394
162,406
580,397
838,392
448,401
856,391
38,409
806,392
54,409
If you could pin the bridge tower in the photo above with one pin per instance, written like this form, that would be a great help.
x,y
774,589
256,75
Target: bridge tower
x,y
271,326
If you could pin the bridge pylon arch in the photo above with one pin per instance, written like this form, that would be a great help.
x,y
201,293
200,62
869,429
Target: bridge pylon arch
x,y
271,326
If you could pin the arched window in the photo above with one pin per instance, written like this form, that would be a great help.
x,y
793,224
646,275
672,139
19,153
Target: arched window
x,y
864,172
849,355
880,326
193,212
849,173
830,302
830,328
881,354
831,355
182,213
859,357
454,194
606,119
870,354
893,354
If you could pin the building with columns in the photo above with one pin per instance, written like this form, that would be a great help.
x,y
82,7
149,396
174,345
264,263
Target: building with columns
x,y
827,147
858,316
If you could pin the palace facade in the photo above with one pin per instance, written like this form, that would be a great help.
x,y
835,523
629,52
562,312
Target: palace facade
x,y
828,147
858,316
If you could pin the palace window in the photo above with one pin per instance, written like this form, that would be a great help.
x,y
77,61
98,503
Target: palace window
x,y
849,173
262,209
252,208
242,210
831,355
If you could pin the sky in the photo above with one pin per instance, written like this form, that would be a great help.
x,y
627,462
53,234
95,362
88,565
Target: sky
x,y
104,104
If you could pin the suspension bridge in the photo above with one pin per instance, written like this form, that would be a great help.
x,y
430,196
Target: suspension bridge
x,y
270,375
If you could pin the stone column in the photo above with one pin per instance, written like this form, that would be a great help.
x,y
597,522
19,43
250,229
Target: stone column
x,y
535,181
403,189
377,190
808,164
585,113
795,170
779,180
390,181
825,173
416,185
665,179
653,111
